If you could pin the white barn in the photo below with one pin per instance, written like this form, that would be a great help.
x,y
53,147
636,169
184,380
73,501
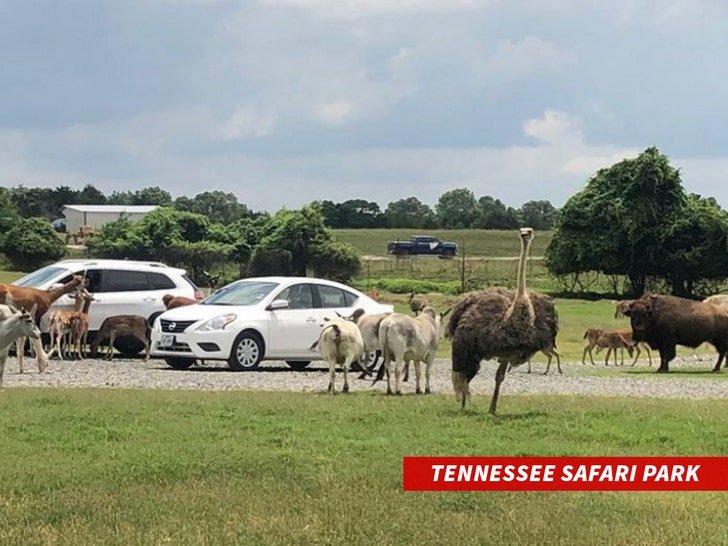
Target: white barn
x,y
98,215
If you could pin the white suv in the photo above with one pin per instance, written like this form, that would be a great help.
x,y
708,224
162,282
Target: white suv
x,y
120,287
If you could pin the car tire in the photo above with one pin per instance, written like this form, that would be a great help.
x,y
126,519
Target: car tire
x,y
179,363
247,352
298,365
128,346
372,358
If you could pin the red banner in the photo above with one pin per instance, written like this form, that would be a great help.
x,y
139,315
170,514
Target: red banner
x,y
565,473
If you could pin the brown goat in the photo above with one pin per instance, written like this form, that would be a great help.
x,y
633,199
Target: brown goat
x,y
605,339
122,325
664,322
417,303
172,302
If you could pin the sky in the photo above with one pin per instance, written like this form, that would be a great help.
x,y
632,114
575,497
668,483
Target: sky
x,y
283,102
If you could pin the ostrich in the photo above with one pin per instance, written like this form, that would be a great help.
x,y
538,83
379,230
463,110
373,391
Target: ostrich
x,y
499,324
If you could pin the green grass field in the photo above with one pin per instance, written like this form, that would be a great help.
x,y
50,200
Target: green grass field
x,y
146,467
475,242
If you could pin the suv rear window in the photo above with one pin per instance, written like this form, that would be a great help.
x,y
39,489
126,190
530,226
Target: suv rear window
x,y
158,281
119,280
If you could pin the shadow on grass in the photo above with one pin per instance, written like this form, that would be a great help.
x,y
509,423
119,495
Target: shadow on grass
x,y
708,372
483,415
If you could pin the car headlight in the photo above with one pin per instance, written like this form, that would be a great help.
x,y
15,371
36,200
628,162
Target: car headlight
x,y
217,323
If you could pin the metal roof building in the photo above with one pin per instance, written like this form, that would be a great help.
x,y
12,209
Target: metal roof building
x,y
98,215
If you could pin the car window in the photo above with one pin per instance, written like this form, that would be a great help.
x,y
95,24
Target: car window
x,y
240,293
38,278
92,276
331,296
298,296
350,298
119,280
159,281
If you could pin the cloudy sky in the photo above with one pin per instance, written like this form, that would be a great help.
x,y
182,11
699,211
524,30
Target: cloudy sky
x,y
287,101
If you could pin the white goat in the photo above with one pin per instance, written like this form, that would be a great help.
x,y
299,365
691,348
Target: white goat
x,y
340,342
404,338
13,325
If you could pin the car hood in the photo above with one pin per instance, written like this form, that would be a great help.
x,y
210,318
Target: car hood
x,y
200,312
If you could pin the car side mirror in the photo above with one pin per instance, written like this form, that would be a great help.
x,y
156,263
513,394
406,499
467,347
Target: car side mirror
x,y
278,304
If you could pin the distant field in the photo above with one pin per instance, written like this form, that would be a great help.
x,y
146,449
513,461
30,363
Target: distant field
x,y
107,466
476,242
9,276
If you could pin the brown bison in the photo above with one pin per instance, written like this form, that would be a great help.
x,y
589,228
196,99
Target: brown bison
x,y
664,322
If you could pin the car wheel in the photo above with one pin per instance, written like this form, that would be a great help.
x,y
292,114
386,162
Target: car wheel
x,y
128,346
179,363
298,364
370,361
247,352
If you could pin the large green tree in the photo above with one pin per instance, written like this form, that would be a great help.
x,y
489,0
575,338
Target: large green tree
x,y
410,213
31,243
493,214
457,209
635,219
539,215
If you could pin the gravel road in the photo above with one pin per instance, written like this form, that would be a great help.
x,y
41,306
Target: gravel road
x,y
277,376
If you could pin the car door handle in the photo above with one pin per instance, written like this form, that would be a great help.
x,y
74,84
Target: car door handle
x,y
149,299
311,319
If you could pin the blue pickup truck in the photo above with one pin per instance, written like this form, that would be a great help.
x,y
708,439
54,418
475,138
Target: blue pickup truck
x,y
423,244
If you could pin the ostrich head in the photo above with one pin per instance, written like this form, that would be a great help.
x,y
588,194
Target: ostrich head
x,y
526,234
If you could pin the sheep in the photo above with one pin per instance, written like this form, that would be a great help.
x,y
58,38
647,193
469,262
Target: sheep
x,y
122,325
340,342
172,302
404,338
13,325
605,339
417,303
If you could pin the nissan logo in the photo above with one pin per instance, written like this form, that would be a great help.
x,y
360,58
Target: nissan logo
x,y
172,326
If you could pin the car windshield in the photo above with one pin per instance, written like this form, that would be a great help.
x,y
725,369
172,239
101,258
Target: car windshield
x,y
42,276
241,293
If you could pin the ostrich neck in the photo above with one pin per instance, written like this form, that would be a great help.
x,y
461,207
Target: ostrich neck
x,y
521,286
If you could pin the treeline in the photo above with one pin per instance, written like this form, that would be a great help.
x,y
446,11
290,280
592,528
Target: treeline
x,y
48,202
455,209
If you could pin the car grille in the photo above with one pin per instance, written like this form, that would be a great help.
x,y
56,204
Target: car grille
x,y
176,326
178,347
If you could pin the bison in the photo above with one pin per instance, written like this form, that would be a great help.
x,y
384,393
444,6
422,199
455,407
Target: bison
x,y
664,322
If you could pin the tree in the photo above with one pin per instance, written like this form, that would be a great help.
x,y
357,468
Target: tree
x,y
152,196
90,195
32,243
223,207
8,213
539,215
336,261
457,209
410,213
125,198
493,214
635,219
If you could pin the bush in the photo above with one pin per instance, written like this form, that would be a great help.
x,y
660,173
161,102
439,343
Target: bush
x,y
270,262
407,286
32,243
335,261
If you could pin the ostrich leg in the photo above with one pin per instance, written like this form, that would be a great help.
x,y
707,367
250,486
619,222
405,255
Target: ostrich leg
x,y
499,376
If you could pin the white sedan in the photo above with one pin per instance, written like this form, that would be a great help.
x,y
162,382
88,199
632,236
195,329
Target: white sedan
x,y
251,320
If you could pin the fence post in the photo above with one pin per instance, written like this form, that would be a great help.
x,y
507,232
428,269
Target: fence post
x,y
462,267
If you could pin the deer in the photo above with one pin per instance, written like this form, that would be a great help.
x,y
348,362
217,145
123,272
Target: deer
x,y
60,323
79,326
41,300
122,325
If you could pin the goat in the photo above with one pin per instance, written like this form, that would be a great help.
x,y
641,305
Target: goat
x,y
404,338
369,328
417,303
122,325
41,300
340,342
605,339
15,324
172,302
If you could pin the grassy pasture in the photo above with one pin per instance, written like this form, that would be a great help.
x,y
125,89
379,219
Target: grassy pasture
x,y
476,242
147,467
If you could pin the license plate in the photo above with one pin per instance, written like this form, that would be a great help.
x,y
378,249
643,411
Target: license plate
x,y
167,340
